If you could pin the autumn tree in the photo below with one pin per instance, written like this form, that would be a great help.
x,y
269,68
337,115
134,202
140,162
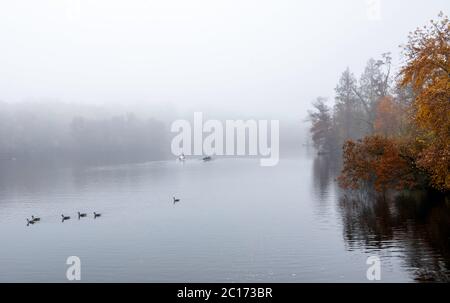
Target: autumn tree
x,y
356,102
347,109
406,127
427,71
322,126
377,161
390,117
374,84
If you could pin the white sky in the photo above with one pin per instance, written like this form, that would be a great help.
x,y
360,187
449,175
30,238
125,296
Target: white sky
x,y
264,56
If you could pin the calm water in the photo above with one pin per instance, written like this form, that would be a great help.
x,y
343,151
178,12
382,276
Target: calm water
x,y
236,221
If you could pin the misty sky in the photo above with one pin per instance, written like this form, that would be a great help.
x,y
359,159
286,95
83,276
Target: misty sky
x,y
248,56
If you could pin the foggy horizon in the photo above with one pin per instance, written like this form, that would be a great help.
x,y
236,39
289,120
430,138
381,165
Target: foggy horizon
x,y
253,58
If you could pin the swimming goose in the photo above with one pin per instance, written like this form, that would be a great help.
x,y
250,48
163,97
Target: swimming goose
x,y
81,215
35,219
96,215
65,217
175,200
30,222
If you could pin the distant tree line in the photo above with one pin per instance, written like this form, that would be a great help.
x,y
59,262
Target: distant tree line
x,y
393,134
46,131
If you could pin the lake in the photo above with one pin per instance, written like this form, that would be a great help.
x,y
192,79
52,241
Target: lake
x,y
236,222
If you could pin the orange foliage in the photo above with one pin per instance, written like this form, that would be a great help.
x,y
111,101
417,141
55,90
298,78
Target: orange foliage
x,y
427,69
376,160
388,117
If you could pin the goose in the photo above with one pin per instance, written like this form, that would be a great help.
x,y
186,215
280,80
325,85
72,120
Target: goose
x,y
96,215
30,222
81,215
35,219
65,217
175,200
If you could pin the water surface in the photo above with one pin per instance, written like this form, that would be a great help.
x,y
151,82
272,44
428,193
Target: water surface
x,y
236,222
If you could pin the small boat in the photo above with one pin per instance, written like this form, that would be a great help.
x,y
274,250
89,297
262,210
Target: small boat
x,y
207,158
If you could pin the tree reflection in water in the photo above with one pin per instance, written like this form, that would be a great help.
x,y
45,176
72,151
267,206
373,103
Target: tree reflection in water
x,y
417,224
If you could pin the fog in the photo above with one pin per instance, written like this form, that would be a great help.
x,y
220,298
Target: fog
x,y
167,59
302,158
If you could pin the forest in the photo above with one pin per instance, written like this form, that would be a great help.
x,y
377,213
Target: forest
x,y
392,130
48,131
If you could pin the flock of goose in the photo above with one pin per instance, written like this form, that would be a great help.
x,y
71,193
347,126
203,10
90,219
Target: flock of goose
x,y
64,218
96,215
80,215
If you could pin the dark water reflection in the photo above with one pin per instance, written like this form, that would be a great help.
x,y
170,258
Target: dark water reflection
x,y
325,170
415,224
